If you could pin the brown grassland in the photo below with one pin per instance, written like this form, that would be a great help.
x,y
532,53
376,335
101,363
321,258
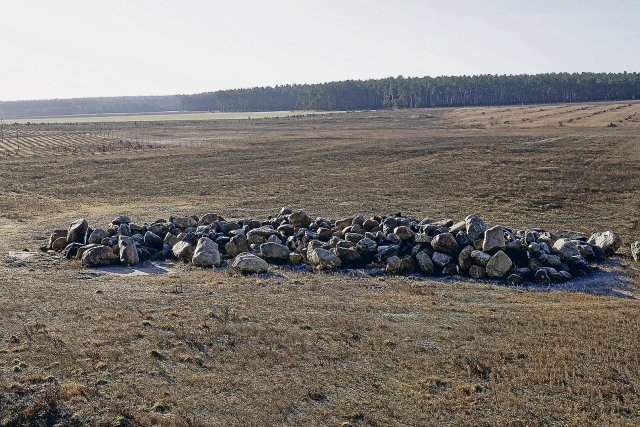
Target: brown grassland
x,y
198,347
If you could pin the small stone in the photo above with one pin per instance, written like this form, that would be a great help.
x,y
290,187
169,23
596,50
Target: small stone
x,y
550,260
295,258
83,249
209,218
480,257
206,253
348,256
370,224
124,230
493,239
55,235
394,265
440,259
635,251
153,240
71,250
464,258
343,223
170,240
403,232
498,265
476,272
422,238
457,227
515,280
449,270
184,222
542,278
247,263
367,245
128,251
59,244
286,230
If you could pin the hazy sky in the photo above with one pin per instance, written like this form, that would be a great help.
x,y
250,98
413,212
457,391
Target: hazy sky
x,y
76,48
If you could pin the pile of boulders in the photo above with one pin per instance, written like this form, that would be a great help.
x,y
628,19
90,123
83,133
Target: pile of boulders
x,y
396,244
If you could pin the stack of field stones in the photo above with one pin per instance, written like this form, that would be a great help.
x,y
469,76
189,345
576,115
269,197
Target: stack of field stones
x,y
396,244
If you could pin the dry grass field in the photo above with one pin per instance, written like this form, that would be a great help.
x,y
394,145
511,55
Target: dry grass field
x,y
200,348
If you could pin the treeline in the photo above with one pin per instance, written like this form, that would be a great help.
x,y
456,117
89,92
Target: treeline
x,y
77,106
392,92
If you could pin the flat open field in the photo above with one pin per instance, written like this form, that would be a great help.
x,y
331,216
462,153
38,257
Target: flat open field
x,y
162,117
198,347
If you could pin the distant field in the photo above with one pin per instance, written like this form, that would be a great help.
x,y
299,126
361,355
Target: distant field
x,y
163,117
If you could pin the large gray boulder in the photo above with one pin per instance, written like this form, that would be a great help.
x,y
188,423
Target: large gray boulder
x,y
55,235
184,222
348,256
99,256
608,241
323,259
440,259
566,248
260,235
403,232
445,242
183,251
464,258
424,262
493,239
152,240
121,219
635,251
128,251
77,231
97,236
274,252
475,227
366,245
299,219
247,263
499,265
206,254
237,245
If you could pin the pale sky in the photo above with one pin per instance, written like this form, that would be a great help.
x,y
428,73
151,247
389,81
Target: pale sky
x,y
79,48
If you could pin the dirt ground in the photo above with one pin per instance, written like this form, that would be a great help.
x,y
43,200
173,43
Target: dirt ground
x,y
195,347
